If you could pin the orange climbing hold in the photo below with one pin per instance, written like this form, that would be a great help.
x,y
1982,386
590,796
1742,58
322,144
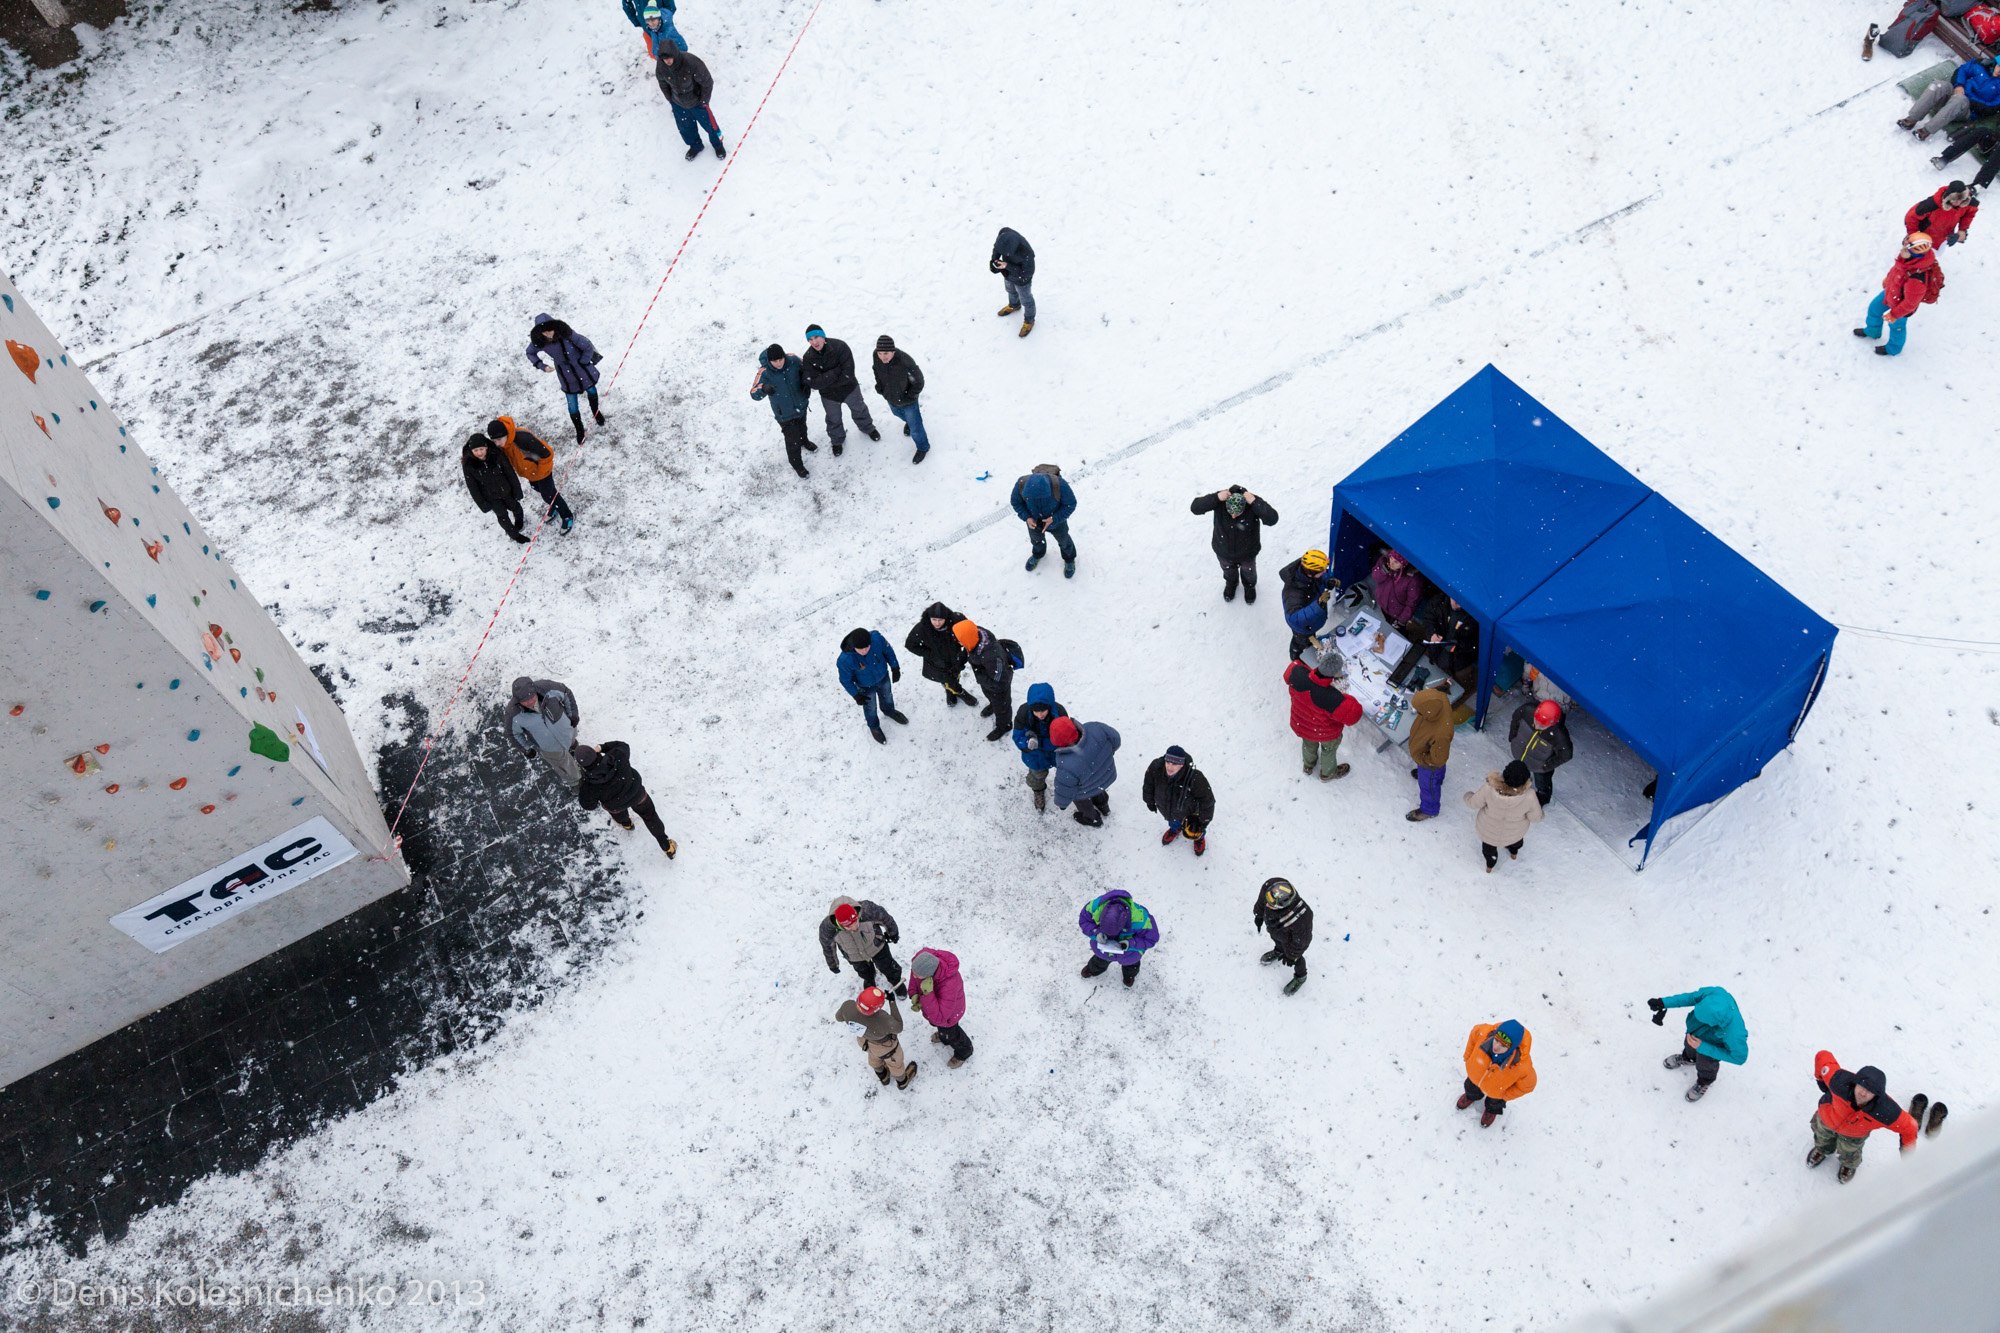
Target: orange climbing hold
x,y
79,764
111,512
43,424
112,790
104,749
208,809
178,783
212,646
25,357
17,710
236,654
152,548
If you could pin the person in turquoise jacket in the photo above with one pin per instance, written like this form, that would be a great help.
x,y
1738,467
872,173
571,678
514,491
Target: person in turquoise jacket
x,y
1715,1033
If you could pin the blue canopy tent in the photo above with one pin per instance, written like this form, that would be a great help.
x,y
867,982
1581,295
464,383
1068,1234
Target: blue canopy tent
x,y
1683,649
1488,494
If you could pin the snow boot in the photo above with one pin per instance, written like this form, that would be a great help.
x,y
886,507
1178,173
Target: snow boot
x,y
1091,820
1938,162
986,711
1676,1060
906,428
1846,1171
838,449
1292,986
568,526
1041,801
1130,978
1697,1092
1486,1119
1863,333
902,990
1938,1112
1465,1100
875,435
1201,845
882,1077
1010,309
595,411
1418,816
670,847
518,538
950,697
691,155
1309,765
576,419
937,1038
1883,351
1270,956
810,447
1339,771
625,824
1229,592
1033,560
720,151
918,456
1921,136
954,1062
876,732
896,717
1168,837
1249,594
998,731
1028,325
909,1074
1917,1106
1906,123
1815,1157
1069,569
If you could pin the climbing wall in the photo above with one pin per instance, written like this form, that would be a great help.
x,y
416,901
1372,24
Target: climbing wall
x,y
162,746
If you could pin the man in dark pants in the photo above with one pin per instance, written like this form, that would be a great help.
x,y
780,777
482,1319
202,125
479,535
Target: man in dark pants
x,y
1986,138
495,486
861,932
1540,739
934,640
830,369
1044,501
688,85
1240,520
781,379
1715,1032
900,380
610,780
1281,911
535,460
1014,260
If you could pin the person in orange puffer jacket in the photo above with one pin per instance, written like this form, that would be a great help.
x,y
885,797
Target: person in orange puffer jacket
x,y
1851,1107
1913,280
1497,1067
535,460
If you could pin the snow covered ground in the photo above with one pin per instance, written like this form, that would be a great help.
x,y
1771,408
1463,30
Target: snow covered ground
x,y
303,251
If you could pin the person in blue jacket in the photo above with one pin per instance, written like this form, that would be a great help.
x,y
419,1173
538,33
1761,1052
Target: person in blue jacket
x,y
1031,738
867,668
1974,90
1120,931
1715,1033
1044,501
1305,581
655,21
1085,768
575,365
782,380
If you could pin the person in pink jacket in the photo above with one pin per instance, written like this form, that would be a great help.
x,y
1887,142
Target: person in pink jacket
x,y
940,997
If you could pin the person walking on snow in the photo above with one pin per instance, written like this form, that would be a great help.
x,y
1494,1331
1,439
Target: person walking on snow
x,y
655,22
830,369
1497,1068
534,459
861,932
781,379
1321,714
934,639
1044,501
992,662
1305,595
1851,1107
495,485
1973,91
1085,768
575,365
1715,1033
1179,792
1913,280
1240,520
610,780
900,380
867,667
1289,921
1540,739
1430,750
939,994
688,85
880,1026
1031,737
1014,260
1503,806
541,721
1945,216
1120,931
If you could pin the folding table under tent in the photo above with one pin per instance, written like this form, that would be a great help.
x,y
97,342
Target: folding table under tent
x,y
1488,494
1687,652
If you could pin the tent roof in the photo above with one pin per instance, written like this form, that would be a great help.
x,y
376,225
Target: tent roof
x,y
1489,493
1673,640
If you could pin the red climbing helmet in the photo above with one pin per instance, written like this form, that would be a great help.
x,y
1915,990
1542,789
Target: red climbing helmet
x,y
871,1000
1547,713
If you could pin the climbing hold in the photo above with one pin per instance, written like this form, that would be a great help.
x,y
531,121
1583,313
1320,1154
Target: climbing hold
x,y
234,771
197,600
111,844
208,809
54,503
260,694
299,801
243,691
9,300
260,673
152,599
195,735
274,696
111,790
215,629
152,549
186,529
211,645
111,512
97,606
103,749
174,684
178,783
43,424
229,796
17,710
81,764
41,594
236,654
25,358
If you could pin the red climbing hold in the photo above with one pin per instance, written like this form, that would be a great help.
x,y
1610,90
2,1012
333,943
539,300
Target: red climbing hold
x,y
26,358
112,790
17,710
79,764
111,512
236,654
208,809
104,749
43,424
178,783
152,548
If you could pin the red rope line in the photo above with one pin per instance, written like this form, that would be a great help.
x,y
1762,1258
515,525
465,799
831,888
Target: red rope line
x,y
431,740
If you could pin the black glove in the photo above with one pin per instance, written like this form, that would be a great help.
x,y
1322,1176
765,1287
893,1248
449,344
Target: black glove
x,y
895,675
1659,1012
1953,239
861,699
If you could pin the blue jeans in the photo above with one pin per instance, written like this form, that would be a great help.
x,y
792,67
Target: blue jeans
x,y
1038,542
692,121
1430,786
570,398
871,695
1021,294
1878,308
914,419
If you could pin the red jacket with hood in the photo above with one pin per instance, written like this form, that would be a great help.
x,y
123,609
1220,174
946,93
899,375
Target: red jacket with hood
x,y
1837,1108
1320,711
1912,282
1931,217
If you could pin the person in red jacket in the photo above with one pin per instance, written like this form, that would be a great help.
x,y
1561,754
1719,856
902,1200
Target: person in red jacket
x,y
1320,713
1851,1107
1946,217
1914,279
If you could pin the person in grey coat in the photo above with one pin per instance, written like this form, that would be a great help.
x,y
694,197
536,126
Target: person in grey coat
x,y
861,932
541,721
1085,767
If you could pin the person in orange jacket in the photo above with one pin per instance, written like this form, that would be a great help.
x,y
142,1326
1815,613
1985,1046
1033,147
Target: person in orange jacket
x,y
1497,1067
1851,1107
535,459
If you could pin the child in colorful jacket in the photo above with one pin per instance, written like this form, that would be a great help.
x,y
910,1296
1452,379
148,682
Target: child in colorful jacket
x,y
1120,931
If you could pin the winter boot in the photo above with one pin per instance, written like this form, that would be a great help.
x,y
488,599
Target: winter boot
x,y
918,456
1033,560
670,847
986,711
902,990
1465,1100
1883,351
882,1077
875,435
1486,1119
1131,979
1815,1157
1041,801
568,526
999,730
954,1062
1270,956
576,419
909,1074
1028,325
950,697
1846,1171
1922,135
1938,162
720,151
690,156
1168,837
1309,765
1339,771
1918,1105
595,411
1292,986
625,824
1938,1112
1010,309
1676,1060
1086,815
876,732
518,538
1201,845
1697,1092
1249,594
839,448
1069,569
810,447
1863,333
906,428
1418,816
1906,123
1229,590
896,717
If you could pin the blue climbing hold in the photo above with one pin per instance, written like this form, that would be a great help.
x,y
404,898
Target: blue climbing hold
x,y
54,503
188,530
41,594
195,735
234,771
302,800
97,606
152,599
9,300
243,691
174,684
984,476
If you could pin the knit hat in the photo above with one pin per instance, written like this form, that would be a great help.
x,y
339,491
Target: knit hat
x,y
846,916
1547,713
774,353
885,344
814,331
649,12
523,689
1313,562
496,430
924,964
476,441
1515,774
871,1000
584,755
967,634
1176,755
1064,731
856,640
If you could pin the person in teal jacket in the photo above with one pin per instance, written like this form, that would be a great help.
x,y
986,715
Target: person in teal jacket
x,y
1715,1033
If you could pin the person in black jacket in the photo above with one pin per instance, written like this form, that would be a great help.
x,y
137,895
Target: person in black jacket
x,y
1539,738
1179,792
830,369
1280,911
992,661
1456,635
932,639
1240,520
495,486
1014,260
610,780
899,379
688,86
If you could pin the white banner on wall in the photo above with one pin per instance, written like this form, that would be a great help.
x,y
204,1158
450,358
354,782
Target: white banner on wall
x,y
214,896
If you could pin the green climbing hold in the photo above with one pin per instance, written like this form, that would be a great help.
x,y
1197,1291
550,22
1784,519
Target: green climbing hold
x,y
267,742
260,674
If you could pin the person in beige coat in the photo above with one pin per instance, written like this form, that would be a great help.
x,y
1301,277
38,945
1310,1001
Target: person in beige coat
x,y
1505,804
880,1025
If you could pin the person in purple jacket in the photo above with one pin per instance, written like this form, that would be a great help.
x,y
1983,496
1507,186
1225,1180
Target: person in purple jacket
x,y
1398,588
940,997
1120,931
575,364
